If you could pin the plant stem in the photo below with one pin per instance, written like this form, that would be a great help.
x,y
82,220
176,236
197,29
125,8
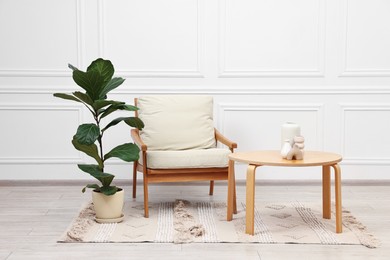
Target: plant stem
x,y
101,150
100,140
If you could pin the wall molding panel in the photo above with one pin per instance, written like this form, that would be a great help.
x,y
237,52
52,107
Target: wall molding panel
x,y
40,110
33,72
197,72
81,51
318,109
225,72
369,71
365,133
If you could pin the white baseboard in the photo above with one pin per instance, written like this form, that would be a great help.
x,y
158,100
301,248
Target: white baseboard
x,y
123,182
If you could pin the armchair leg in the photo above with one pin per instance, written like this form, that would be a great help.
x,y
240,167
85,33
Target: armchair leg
x,y
146,202
211,192
135,164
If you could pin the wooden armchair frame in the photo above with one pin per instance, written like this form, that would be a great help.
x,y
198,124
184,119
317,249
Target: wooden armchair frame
x,y
177,175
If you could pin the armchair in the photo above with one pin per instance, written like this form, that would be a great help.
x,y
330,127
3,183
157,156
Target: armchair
x,y
179,142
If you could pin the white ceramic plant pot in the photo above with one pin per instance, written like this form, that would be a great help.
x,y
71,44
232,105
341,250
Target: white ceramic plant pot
x,y
108,209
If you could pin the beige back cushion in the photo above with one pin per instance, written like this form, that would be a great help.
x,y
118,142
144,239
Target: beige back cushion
x,y
177,122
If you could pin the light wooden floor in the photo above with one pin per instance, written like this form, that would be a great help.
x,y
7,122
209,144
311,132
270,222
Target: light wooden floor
x,y
32,218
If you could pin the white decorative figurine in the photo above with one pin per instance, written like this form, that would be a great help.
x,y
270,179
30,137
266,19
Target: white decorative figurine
x,y
296,152
285,148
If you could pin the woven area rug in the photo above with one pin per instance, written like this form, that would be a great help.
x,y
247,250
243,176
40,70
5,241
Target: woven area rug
x,y
205,222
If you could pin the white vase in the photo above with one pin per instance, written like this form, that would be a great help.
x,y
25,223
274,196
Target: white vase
x,y
285,148
108,208
289,131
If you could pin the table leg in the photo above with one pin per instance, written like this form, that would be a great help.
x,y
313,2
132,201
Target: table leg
x,y
250,199
326,192
230,199
337,184
234,194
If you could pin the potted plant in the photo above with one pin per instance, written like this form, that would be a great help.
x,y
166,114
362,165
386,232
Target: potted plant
x,y
97,82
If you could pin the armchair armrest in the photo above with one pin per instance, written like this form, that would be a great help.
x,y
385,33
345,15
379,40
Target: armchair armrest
x,y
137,140
221,138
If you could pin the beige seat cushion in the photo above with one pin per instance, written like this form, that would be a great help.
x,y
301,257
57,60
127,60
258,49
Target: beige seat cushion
x,y
177,122
199,158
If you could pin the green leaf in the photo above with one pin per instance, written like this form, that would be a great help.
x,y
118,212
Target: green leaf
x,y
96,80
70,66
104,68
98,104
129,108
109,110
91,81
90,168
90,150
87,134
134,122
96,172
91,186
128,152
131,121
112,84
115,107
84,97
110,190
67,96
114,122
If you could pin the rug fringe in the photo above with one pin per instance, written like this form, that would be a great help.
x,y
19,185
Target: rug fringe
x,y
366,238
184,223
80,224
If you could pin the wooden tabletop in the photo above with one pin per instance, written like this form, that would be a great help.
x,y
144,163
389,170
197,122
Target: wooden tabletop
x,y
273,158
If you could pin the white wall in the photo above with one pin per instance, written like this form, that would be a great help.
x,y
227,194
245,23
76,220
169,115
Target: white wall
x,y
322,64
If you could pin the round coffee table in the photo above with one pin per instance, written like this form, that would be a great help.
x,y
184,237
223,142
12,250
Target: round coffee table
x,y
256,159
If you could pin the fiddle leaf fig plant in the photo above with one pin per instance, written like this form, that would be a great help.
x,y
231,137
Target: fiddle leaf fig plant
x,y
96,83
